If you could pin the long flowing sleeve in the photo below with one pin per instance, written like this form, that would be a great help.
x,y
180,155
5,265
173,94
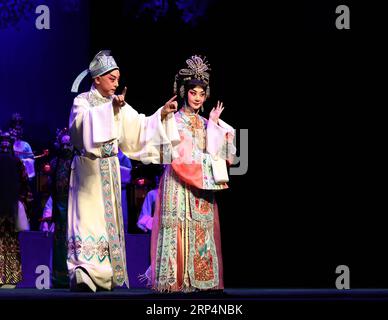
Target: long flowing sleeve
x,y
220,140
142,137
92,126
220,146
94,123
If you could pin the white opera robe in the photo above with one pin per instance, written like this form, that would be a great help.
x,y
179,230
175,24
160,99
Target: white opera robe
x,y
96,239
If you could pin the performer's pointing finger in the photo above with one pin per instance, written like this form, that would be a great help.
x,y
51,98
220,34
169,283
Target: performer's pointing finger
x,y
124,92
172,99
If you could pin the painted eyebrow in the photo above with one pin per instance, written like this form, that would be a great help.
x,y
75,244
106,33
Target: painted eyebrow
x,y
202,91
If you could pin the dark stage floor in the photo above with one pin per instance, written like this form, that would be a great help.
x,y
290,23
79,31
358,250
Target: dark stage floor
x,y
230,294
233,303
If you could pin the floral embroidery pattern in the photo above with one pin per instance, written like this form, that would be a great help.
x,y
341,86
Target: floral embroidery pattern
x,y
108,170
203,258
95,100
192,210
88,248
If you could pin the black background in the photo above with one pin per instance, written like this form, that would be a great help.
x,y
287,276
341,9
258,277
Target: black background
x,y
309,95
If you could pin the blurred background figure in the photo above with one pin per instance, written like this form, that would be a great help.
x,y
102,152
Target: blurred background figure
x,y
13,194
22,149
146,217
54,217
145,178
144,221
47,224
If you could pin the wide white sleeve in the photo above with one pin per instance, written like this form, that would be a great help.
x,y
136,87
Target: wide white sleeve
x,y
92,126
103,123
142,137
220,139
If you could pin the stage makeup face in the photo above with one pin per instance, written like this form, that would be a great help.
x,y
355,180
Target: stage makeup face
x,y
196,97
107,83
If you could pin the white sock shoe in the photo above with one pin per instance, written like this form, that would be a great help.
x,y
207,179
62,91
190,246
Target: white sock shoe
x,y
7,286
83,282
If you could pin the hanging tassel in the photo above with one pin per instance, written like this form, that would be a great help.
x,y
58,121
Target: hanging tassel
x,y
175,86
208,92
182,91
145,277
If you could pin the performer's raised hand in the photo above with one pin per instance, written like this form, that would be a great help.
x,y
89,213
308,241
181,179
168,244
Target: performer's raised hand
x,y
216,112
170,106
119,101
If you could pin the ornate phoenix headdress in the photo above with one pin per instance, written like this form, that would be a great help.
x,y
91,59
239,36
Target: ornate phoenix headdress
x,y
197,68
